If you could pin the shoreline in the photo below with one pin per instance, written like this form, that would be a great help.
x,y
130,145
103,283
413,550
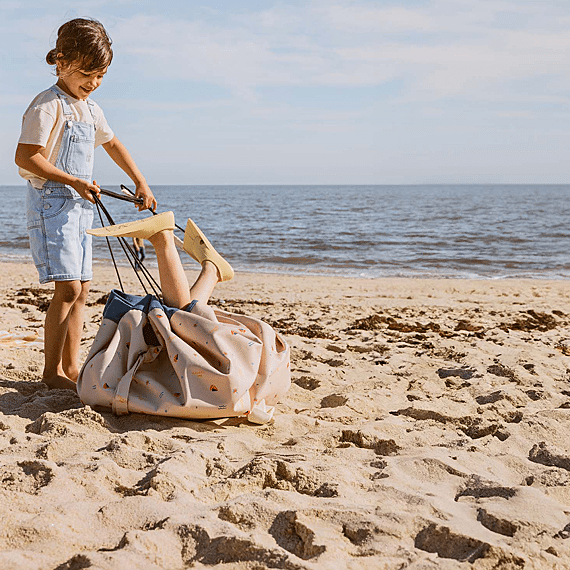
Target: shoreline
x,y
191,266
302,271
427,424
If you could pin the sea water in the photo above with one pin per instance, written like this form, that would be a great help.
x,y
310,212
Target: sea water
x,y
482,231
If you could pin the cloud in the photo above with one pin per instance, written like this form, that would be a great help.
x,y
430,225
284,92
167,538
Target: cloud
x,y
394,77
354,18
443,49
437,48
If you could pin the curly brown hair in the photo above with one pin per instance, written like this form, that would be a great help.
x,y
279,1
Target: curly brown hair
x,y
82,43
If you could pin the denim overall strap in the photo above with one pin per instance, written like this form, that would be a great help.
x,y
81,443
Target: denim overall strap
x,y
90,106
67,111
77,146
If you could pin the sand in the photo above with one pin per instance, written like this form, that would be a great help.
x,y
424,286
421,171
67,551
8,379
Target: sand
x,y
427,427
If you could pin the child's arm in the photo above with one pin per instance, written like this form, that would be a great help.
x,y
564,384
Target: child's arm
x,y
117,151
30,158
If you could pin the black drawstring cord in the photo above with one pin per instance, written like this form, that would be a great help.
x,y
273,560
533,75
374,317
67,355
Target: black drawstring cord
x,y
127,249
99,206
130,255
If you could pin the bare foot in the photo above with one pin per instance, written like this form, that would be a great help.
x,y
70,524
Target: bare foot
x,y
59,382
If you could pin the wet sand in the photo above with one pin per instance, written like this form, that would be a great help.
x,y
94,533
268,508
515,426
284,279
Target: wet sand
x,y
427,427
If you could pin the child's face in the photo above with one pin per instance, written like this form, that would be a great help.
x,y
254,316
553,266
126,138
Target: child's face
x,y
77,82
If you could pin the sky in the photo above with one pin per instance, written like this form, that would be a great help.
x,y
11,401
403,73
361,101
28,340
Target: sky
x,y
313,92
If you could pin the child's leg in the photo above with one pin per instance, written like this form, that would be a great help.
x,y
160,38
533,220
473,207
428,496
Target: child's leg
x,y
173,281
56,325
71,348
205,283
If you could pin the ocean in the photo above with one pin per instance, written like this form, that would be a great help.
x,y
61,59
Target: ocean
x,y
465,231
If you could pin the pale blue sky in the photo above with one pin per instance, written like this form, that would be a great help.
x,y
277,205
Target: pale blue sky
x,y
315,92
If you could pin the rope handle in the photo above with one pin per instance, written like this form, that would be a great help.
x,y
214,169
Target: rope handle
x,y
129,195
127,198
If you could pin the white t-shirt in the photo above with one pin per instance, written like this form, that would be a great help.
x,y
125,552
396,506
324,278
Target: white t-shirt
x,y
43,124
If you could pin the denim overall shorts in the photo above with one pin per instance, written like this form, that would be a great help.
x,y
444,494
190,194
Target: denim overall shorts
x,y
57,215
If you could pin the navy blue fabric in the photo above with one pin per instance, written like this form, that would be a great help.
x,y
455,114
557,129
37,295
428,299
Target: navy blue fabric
x,y
189,308
119,303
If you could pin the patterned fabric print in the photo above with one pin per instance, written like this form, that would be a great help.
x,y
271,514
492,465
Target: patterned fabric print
x,y
206,364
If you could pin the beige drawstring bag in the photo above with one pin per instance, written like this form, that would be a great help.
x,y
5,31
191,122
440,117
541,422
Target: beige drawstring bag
x,y
197,363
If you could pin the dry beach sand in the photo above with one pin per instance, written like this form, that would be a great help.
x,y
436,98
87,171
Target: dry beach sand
x,y
427,427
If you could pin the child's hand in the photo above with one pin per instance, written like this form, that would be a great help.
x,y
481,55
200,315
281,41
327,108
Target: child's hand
x,y
144,192
85,189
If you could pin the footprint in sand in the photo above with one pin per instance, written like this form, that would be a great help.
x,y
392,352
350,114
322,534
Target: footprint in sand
x,y
495,524
333,401
26,477
295,535
279,474
448,544
307,382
